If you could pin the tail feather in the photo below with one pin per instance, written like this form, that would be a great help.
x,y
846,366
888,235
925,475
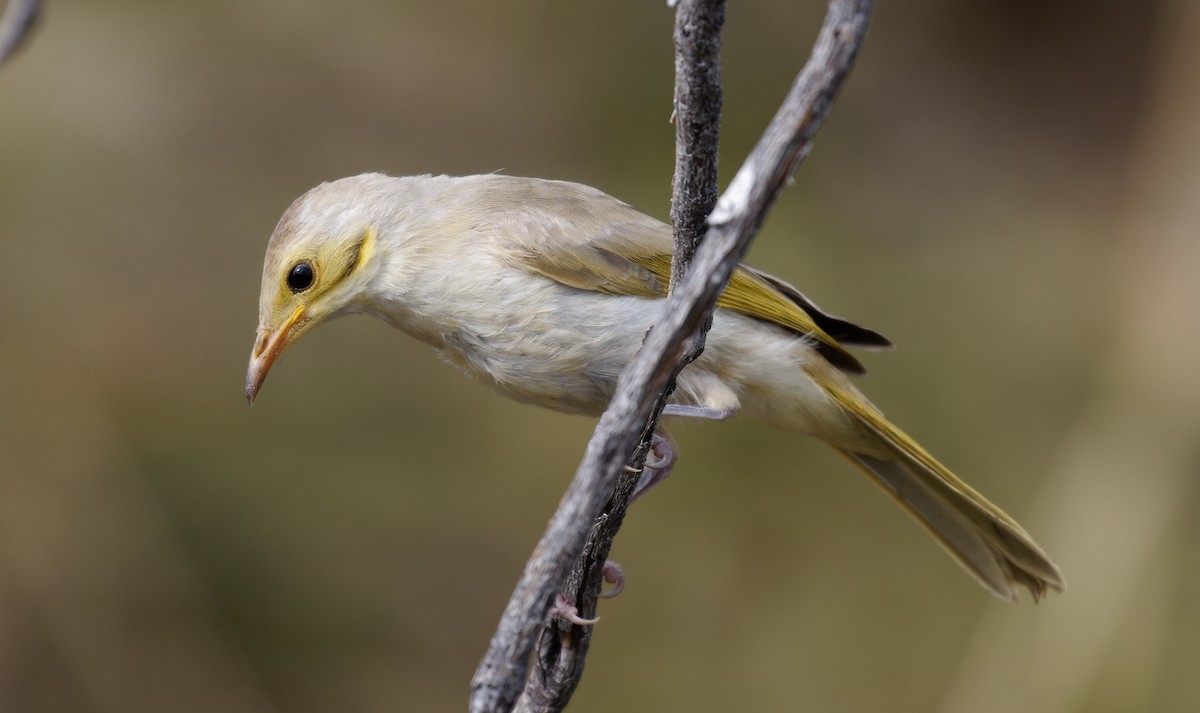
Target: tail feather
x,y
965,541
988,543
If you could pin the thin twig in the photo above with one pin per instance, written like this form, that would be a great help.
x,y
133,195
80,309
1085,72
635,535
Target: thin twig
x,y
501,675
698,95
16,24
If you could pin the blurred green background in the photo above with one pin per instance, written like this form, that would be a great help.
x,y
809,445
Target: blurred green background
x,y
1008,190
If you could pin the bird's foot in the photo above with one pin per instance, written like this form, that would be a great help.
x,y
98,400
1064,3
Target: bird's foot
x,y
613,574
568,611
659,463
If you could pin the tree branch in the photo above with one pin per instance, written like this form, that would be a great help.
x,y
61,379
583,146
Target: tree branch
x,y
588,508
15,25
562,648
698,96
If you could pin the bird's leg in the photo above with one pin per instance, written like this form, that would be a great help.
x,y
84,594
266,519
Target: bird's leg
x,y
694,411
662,456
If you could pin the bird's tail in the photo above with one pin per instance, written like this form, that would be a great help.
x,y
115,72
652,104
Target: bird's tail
x,y
988,543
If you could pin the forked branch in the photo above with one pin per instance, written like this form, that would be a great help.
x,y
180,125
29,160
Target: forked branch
x,y
570,553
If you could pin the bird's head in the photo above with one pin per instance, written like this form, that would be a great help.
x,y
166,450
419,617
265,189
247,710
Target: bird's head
x,y
318,265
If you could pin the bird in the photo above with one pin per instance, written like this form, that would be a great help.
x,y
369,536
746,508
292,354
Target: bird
x,y
545,289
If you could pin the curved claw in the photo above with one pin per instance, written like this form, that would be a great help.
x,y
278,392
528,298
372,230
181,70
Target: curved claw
x,y
568,611
662,454
659,462
614,575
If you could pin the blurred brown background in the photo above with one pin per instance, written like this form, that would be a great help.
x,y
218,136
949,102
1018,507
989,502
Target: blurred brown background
x,y
1009,190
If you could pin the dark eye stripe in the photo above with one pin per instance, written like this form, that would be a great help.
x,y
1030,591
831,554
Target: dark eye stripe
x,y
300,277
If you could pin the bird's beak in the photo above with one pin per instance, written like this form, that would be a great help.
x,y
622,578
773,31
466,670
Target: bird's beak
x,y
270,344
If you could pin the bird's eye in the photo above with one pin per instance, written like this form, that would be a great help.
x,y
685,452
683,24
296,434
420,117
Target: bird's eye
x,y
300,277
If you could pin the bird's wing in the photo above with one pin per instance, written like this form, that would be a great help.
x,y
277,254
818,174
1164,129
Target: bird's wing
x,y
577,244
845,331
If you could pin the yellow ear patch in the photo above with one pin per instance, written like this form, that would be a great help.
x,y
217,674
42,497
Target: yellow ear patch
x,y
366,248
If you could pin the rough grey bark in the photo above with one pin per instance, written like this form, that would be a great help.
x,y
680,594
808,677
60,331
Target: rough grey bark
x,y
698,96
575,544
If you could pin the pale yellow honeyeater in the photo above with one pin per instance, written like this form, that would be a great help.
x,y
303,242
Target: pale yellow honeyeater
x,y
545,290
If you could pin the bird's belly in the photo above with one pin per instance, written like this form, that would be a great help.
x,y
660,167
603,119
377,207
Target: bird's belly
x,y
565,351
566,357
